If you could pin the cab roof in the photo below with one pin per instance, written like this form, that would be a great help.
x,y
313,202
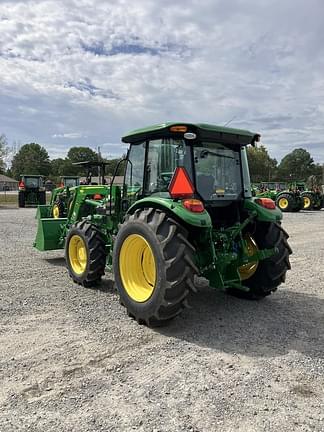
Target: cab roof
x,y
204,131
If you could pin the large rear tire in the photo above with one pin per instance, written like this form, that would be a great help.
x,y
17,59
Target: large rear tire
x,y
270,272
308,201
85,254
42,197
21,199
153,266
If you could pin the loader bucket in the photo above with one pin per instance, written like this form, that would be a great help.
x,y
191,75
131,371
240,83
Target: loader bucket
x,y
49,233
43,211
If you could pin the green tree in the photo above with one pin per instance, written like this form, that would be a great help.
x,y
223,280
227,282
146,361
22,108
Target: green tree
x,y
262,166
31,159
81,154
62,167
297,165
3,152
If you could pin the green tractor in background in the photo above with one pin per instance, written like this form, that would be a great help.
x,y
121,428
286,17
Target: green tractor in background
x,y
62,197
185,210
313,198
288,199
31,191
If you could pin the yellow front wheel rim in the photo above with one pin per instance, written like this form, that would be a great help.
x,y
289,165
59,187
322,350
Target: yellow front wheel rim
x,y
283,203
137,268
247,270
56,211
78,255
307,202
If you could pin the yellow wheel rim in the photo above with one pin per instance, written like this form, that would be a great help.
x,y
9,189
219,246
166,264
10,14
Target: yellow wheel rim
x,y
247,270
56,211
307,202
283,203
137,268
78,255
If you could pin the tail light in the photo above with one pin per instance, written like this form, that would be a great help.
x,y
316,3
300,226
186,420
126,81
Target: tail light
x,y
267,203
180,185
21,185
193,205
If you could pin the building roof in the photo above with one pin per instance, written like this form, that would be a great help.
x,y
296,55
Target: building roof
x,y
6,179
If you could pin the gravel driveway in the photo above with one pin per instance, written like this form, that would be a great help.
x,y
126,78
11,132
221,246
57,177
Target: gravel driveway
x,y
71,359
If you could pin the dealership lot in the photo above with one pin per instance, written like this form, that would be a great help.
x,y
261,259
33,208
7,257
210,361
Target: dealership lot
x,y
72,360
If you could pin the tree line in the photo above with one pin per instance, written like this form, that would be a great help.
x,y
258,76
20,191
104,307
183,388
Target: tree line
x,y
33,159
296,165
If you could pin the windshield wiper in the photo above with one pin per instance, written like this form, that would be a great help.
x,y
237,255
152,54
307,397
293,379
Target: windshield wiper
x,y
204,153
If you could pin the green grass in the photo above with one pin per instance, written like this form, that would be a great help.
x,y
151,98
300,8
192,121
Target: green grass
x,y
11,200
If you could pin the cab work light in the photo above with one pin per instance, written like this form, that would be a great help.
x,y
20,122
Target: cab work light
x,y
180,185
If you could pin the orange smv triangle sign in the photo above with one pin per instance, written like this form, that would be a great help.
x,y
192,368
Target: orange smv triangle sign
x,y
180,185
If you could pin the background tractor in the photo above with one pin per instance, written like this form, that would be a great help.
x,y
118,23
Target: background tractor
x,y
62,197
31,190
185,210
313,198
287,198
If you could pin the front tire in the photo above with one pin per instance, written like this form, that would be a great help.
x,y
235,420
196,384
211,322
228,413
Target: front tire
x,y
85,254
153,266
285,202
58,209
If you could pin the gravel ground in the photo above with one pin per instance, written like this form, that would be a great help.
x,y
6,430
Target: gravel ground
x,y
71,359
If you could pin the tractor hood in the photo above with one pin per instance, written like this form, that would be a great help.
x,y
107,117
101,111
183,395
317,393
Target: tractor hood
x,y
202,131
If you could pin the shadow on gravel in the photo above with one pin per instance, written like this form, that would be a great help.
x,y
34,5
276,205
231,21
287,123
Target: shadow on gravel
x,y
282,322
57,262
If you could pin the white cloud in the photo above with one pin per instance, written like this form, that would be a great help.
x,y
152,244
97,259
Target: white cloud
x,y
104,67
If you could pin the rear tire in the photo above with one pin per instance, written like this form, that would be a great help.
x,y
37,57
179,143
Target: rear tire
x,y
308,201
42,197
271,272
89,269
170,276
21,199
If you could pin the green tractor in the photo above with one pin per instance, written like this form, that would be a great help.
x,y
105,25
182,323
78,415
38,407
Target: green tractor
x,y
62,197
288,199
31,191
185,210
313,199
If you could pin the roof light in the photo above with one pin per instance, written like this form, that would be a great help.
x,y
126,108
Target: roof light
x,y
193,205
178,128
180,185
267,203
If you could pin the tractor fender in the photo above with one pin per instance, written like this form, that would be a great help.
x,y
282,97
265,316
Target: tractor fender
x,y
175,207
262,214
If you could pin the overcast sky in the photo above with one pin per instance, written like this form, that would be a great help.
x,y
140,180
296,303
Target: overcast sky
x,y
85,72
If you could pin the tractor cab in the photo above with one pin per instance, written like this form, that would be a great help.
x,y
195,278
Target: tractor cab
x,y
199,161
69,181
31,190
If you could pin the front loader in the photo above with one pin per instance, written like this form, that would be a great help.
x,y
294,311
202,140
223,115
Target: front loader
x,y
185,210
